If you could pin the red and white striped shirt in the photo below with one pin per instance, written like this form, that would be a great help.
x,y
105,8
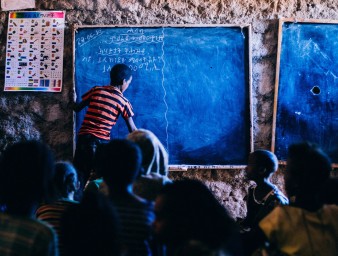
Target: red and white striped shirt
x,y
106,103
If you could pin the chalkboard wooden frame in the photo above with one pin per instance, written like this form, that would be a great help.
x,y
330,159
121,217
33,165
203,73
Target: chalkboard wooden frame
x,y
276,133
247,31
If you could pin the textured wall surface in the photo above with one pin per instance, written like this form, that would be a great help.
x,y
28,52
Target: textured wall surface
x,y
47,116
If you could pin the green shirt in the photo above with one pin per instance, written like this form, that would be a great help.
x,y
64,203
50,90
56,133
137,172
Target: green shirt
x,y
295,231
26,237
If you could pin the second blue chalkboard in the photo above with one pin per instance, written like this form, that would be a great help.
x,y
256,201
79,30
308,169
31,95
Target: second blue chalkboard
x,y
306,108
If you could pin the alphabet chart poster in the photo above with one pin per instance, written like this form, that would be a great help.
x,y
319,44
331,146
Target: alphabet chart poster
x,y
34,53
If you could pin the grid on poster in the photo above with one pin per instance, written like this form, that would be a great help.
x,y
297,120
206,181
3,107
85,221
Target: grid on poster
x,y
34,52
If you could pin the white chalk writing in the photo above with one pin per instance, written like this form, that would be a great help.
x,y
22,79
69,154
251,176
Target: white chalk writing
x,y
140,39
91,36
146,66
111,51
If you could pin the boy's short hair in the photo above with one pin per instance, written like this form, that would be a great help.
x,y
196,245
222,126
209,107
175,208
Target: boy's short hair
x,y
93,222
118,73
65,178
185,203
267,160
26,173
120,162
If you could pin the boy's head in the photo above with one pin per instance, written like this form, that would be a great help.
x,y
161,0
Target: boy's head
x,y
261,164
120,162
65,179
93,222
308,167
26,176
154,155
120,73
179,209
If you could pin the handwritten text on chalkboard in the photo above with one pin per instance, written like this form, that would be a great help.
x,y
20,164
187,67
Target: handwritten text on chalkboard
x,y
190,86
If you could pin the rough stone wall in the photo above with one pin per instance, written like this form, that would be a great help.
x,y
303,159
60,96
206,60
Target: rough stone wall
x,y
47,116
229,186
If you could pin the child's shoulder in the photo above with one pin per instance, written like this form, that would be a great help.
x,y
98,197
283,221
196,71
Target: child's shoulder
x,y
103,89
100,87
279,197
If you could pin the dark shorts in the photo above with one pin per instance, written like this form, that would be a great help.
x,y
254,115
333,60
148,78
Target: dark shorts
x,y
86,146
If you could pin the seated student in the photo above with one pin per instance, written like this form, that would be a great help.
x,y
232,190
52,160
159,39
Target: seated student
x,y
119,165
190,221
154,171
90,228
263,196
66,184
329,191
26,173
153,174
307,226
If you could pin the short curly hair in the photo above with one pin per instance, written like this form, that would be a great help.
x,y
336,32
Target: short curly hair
x,y
118,73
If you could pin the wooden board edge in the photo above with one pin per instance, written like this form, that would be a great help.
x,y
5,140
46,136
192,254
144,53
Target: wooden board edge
x,y
245,25
183,168
274,114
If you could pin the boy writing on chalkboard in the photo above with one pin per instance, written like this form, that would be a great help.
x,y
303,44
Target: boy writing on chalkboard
x,y
105,104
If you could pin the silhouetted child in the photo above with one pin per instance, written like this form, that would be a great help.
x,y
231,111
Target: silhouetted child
x,y
26,173
66,184
191,221
329,191
263,196
120,163
105,104
91,228
154,172
307,226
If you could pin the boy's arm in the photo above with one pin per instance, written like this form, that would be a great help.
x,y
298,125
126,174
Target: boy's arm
x,y
77,107
130,124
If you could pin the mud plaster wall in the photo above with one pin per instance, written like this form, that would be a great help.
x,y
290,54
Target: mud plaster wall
x,y
47,116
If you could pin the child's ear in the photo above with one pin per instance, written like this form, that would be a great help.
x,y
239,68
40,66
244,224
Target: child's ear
x,y
77,185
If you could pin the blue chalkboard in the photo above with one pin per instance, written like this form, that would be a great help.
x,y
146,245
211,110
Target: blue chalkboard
x,y
307,88
191,86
